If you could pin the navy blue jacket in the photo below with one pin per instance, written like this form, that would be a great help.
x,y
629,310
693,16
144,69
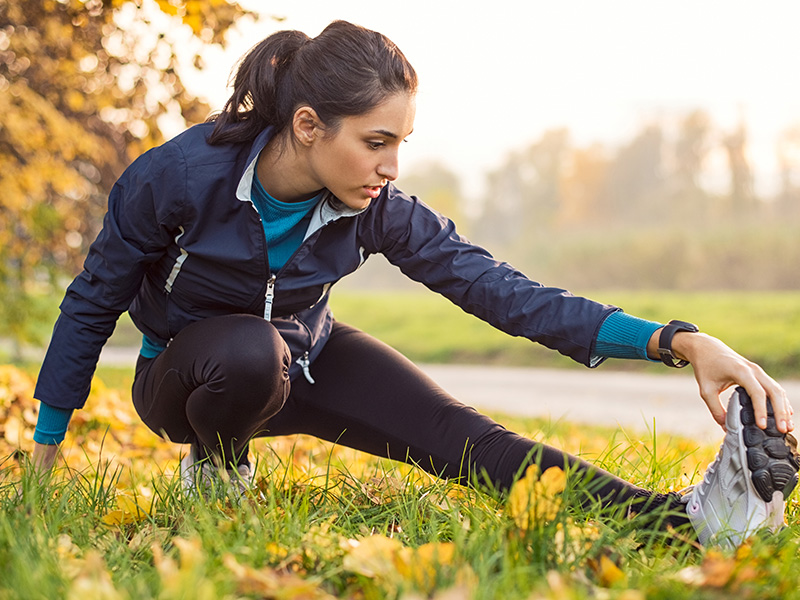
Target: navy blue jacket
x,y
182,242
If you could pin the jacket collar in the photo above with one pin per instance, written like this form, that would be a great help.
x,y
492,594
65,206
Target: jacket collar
x,y
246,181
328,210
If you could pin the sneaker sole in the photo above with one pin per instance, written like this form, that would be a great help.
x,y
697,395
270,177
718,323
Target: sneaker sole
x,y
771,455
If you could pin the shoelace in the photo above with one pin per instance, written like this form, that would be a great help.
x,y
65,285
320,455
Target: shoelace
x,y
701,489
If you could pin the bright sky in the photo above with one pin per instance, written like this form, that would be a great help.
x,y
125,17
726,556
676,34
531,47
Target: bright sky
x,y
495,75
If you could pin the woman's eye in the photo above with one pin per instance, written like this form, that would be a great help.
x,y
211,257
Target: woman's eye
x,y
375,145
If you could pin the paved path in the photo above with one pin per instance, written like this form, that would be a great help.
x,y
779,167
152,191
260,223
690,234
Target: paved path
x,y
632,400
604,397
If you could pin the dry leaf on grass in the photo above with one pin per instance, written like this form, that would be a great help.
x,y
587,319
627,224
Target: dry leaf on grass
x,y
273,584
130,510
389,562
93,581
535,499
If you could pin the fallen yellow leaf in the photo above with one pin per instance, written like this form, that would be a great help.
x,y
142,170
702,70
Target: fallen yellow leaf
x,y
269,583
132,505
608,573
12,431
534,499
717,569
424,565
93,581
188,574
373,556
129,511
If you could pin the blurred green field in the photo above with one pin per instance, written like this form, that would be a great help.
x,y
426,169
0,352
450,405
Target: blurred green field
x,y
763,326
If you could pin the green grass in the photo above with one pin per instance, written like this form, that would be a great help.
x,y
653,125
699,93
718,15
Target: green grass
x,y
54,542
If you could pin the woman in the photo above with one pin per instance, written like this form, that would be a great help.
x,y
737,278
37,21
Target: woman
x,y
223,245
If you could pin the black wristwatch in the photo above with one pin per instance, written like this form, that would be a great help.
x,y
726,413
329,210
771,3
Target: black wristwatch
x,y
665,342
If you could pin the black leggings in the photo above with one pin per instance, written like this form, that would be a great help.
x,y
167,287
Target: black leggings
x,y
225,380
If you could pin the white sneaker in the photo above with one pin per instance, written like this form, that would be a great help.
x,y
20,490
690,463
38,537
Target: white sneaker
x,y
241,479
204,475
744,489
195,473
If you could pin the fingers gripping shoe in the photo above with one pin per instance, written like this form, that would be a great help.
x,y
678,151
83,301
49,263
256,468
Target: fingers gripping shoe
x,y
744,489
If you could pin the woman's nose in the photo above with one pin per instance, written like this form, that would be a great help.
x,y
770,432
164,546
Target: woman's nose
x,y
389,167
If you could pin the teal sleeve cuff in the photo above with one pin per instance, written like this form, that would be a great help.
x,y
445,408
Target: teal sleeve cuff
x,y
52,424
624,336
150,348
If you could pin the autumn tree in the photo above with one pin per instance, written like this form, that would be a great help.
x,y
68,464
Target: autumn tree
x,y
439,188
692,146
585,186
524,193
636,178
742,196
788,150
84,87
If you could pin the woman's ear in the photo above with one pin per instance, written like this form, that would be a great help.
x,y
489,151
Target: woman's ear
x,y
306,125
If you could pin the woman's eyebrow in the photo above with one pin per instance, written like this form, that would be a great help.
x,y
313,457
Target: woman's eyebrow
x,y
385,133
388,133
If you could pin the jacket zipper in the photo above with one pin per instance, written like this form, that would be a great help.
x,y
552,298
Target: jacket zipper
x,y
269,296
304,363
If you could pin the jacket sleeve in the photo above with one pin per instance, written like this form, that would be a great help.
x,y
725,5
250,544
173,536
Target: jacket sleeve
x,y
143,213
427,248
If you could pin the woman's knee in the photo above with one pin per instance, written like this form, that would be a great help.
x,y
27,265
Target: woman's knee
x,y
240,356
252,354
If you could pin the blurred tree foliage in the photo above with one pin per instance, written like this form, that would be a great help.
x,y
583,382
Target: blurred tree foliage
x,y
84,85
789,164
439,188
672,207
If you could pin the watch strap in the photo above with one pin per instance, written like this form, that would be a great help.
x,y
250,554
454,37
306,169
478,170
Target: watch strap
x,y
665,342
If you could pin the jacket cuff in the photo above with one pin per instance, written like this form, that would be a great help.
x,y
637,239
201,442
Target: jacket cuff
x,y
625,336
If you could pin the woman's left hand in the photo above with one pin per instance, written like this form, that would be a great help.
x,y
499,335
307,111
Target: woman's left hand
x,y
717,367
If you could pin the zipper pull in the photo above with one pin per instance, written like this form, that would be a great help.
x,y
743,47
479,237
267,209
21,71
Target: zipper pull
x,y
269,296
304,363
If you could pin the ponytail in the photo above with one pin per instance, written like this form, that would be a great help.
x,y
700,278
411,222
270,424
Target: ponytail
x,y
346,70
254,105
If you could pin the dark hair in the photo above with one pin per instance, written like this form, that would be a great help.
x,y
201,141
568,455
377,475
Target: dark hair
x,y
347,70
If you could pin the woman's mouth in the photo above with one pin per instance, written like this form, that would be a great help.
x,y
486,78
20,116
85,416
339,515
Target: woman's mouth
x,y
373,190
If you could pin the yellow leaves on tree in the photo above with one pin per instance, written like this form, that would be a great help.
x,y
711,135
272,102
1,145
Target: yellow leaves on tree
x,y
208,19
82,92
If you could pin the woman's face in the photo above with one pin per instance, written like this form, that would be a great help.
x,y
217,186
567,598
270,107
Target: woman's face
x,y
361,156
